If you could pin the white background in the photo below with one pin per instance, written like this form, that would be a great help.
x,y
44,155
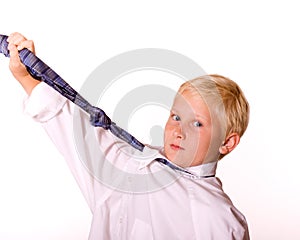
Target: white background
x,y
255,43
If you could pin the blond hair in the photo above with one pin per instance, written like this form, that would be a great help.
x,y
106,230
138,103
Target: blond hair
x,y
225,98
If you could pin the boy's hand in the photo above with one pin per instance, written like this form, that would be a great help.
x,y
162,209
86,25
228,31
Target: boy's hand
x,y
16,43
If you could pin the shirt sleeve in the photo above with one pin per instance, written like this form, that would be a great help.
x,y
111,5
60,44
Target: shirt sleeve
x,y
74,137
239,227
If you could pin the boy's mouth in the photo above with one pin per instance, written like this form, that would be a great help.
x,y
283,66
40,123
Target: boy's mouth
x,y
176,147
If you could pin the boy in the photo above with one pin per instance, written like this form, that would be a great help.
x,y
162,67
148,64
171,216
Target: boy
x,y
136,195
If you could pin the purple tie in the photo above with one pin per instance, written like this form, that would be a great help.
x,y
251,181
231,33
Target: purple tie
x,y
41,71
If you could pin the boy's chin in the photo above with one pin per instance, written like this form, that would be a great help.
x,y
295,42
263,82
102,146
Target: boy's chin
x,y
177,160
180,163
185,164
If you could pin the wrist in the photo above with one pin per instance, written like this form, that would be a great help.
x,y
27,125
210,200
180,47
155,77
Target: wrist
x,y
28,83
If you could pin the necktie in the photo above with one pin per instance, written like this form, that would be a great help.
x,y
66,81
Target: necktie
x,y
41,71
180,169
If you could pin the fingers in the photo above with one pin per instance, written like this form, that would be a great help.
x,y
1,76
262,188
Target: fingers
x,y
13,43
16,38
17,42
21,42
14,57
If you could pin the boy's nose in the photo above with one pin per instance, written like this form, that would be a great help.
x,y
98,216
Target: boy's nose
x,y
178,133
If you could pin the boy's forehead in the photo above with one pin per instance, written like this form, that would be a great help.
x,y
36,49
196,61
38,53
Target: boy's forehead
x,y
188,97
190,103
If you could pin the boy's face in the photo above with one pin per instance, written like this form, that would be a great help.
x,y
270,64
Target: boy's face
x,y
188,131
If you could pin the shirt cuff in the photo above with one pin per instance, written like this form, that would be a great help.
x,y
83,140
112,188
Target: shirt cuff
x,y
43,103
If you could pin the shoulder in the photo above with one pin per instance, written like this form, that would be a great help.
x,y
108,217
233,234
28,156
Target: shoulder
x,y
219,212
218,201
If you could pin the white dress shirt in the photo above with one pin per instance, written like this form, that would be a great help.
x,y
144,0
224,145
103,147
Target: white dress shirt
x,y
131,195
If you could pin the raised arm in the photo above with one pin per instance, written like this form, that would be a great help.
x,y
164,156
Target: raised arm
x,y
95,158
41,71
16,43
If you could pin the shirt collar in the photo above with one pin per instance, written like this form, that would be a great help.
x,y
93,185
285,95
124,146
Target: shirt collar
x,y
204,170
201,171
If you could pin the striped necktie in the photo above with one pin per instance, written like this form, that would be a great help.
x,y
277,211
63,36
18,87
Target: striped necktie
x,y
41,71
180,169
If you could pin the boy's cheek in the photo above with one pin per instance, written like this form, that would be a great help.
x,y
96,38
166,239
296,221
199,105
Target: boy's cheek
x,y
165,139
167,131
168,137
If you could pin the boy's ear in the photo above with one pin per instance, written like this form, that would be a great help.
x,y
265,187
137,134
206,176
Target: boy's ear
x,y
230,143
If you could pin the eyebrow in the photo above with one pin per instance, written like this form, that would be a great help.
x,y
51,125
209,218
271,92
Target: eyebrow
x,y
174,110
200,116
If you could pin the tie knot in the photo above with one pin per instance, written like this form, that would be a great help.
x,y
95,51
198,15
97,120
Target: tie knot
x,y
98,118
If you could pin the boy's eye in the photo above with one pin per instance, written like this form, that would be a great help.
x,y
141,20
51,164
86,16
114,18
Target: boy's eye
x,y
175,117
197,124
